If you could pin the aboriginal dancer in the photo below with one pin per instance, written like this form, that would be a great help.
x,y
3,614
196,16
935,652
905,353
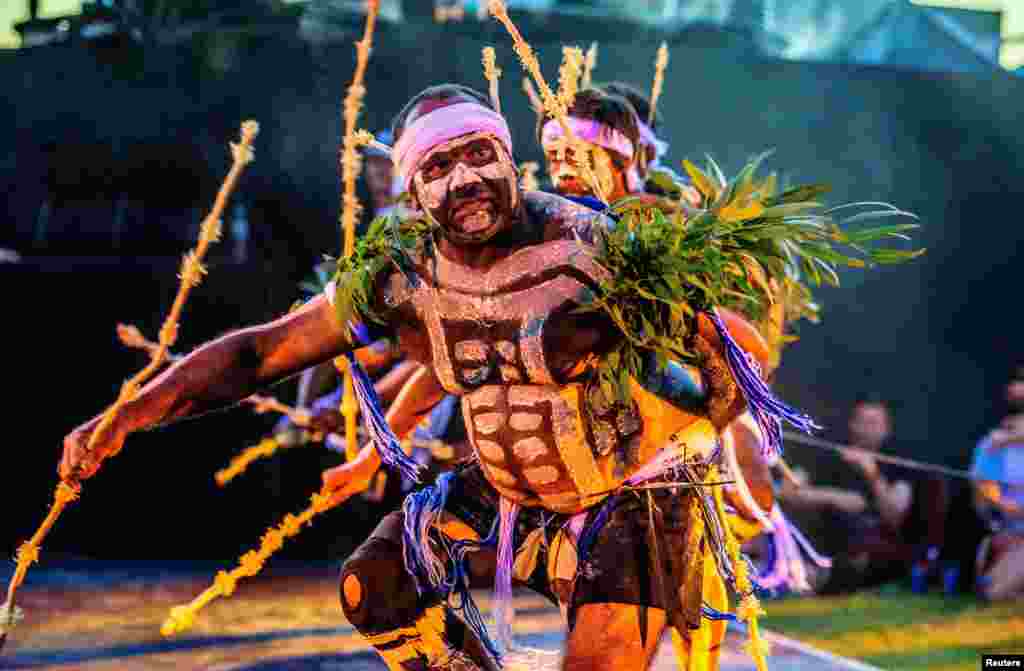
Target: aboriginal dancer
x,y
594,379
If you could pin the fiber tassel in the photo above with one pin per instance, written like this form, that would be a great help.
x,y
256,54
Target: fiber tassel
x,y
766,409
819,559
383,438
716,615
422,509
460,598
786,568
503,610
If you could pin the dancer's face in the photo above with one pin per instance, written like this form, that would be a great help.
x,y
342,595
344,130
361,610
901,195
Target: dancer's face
x,y
379,173
568,179
468,185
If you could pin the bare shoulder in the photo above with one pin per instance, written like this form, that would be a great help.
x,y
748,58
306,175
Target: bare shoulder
x,y
561,217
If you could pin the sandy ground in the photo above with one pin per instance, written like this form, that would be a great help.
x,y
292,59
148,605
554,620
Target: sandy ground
x,y
105,618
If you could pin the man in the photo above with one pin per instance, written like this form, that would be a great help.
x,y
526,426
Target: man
x,y
492,313
907,526
657,178
384,189
607,126
998,463
384,185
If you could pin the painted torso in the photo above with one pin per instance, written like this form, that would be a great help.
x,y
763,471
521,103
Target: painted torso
x,y
506,340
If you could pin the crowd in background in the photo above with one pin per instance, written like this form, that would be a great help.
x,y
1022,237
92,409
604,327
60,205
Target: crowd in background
x,y
915,526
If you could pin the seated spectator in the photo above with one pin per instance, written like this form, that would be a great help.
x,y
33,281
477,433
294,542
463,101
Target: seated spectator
x,y
802,494
905,522
999,499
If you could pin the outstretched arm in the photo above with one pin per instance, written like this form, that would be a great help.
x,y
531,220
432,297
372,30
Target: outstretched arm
x,y
216,375
416,399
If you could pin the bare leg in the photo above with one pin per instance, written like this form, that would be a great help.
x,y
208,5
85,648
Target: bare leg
x,y
702,649
607,636
1007,575
411,633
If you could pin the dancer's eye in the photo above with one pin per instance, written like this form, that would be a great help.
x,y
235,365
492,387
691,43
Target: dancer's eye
x,y
437,167
481,153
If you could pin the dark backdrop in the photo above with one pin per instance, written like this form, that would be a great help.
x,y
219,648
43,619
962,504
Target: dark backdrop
x,y
85,129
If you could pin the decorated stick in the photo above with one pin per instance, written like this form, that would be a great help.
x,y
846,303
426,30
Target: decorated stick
x,y
493,73
660,63
183,617
192,272
131,337
531,93
268,446
264,404
351,163
365,138
589,63
551,103
569,73
239,463
749,608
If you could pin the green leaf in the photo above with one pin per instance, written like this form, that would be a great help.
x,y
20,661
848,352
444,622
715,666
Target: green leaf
x,y
880,232
789,209
798,194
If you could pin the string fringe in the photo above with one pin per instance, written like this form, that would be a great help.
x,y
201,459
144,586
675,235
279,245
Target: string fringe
x,y
766,409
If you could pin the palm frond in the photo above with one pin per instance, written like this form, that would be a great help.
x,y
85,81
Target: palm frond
x,y
662,270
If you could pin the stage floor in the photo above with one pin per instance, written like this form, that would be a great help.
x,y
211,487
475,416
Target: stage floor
x,y
107,617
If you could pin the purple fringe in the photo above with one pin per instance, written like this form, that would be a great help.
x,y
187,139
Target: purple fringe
x,y
714,614
592,530
430,573
422,509
819,560
767,410
383,438
503,612
361,333
460,599
785,566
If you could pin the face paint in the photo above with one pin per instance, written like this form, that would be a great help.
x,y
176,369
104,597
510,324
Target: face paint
x,y
497,184
567,178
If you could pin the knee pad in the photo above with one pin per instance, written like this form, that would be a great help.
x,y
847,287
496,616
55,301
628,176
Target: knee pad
x,y
377,594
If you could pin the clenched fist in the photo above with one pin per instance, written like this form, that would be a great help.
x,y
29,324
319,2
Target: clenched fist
x,y
81,463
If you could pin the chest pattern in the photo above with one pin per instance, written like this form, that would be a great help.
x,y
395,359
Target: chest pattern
x,y
488,327
536,437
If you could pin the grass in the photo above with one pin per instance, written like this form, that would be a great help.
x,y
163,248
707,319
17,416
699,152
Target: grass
x,y
899,630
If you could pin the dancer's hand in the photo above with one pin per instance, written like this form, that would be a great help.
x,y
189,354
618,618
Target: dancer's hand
x,y
343,482
1010,431
78,463
326,420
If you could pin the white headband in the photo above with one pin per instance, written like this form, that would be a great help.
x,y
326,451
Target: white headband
x,y
441,125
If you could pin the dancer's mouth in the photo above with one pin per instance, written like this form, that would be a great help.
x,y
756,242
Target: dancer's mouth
x,y
474,215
